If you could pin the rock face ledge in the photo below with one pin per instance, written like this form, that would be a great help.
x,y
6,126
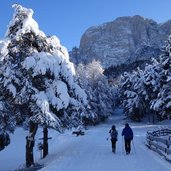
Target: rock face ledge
x,y
124,40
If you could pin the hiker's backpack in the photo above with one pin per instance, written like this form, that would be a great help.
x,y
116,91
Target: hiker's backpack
x,y
113,134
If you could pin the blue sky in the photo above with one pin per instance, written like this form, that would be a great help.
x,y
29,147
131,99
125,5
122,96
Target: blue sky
x,y
68,19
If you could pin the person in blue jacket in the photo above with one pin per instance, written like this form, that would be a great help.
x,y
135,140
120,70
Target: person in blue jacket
x,y
128,137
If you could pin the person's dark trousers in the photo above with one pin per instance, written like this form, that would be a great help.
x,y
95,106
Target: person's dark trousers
x,y
127,145
113,141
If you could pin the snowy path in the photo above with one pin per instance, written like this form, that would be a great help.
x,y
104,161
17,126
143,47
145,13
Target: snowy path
x,y
92,152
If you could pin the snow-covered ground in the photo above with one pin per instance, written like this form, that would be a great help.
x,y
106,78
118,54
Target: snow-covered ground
x,y
91,152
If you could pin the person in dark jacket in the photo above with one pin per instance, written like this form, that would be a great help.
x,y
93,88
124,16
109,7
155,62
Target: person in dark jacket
x,y
128,137
114,137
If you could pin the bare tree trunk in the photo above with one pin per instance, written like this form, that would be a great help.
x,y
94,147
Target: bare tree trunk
x,y
30,144
45,141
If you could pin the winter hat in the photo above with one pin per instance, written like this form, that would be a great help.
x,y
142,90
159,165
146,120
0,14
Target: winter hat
x,y
113,126
126,124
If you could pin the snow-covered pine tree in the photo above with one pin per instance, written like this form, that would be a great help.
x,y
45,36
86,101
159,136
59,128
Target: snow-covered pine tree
x,y
148,91
101,96
162,104
130,95
151,86
36,77
127,95
74,55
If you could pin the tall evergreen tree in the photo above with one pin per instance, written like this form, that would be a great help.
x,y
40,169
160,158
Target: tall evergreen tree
x,y
162,104
101,95
36,78
151,87
131,100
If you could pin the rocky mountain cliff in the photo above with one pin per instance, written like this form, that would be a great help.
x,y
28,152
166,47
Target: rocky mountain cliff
x,y
124,40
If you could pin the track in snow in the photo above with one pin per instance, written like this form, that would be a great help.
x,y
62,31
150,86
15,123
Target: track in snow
x,y
92,152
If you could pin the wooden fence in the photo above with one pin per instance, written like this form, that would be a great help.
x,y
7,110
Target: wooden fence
x,y
160,141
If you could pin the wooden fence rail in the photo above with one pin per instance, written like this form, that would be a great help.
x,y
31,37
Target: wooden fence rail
x,y
160,141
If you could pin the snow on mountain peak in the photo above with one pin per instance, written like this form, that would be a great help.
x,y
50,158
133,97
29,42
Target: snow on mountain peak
x,y
122,41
